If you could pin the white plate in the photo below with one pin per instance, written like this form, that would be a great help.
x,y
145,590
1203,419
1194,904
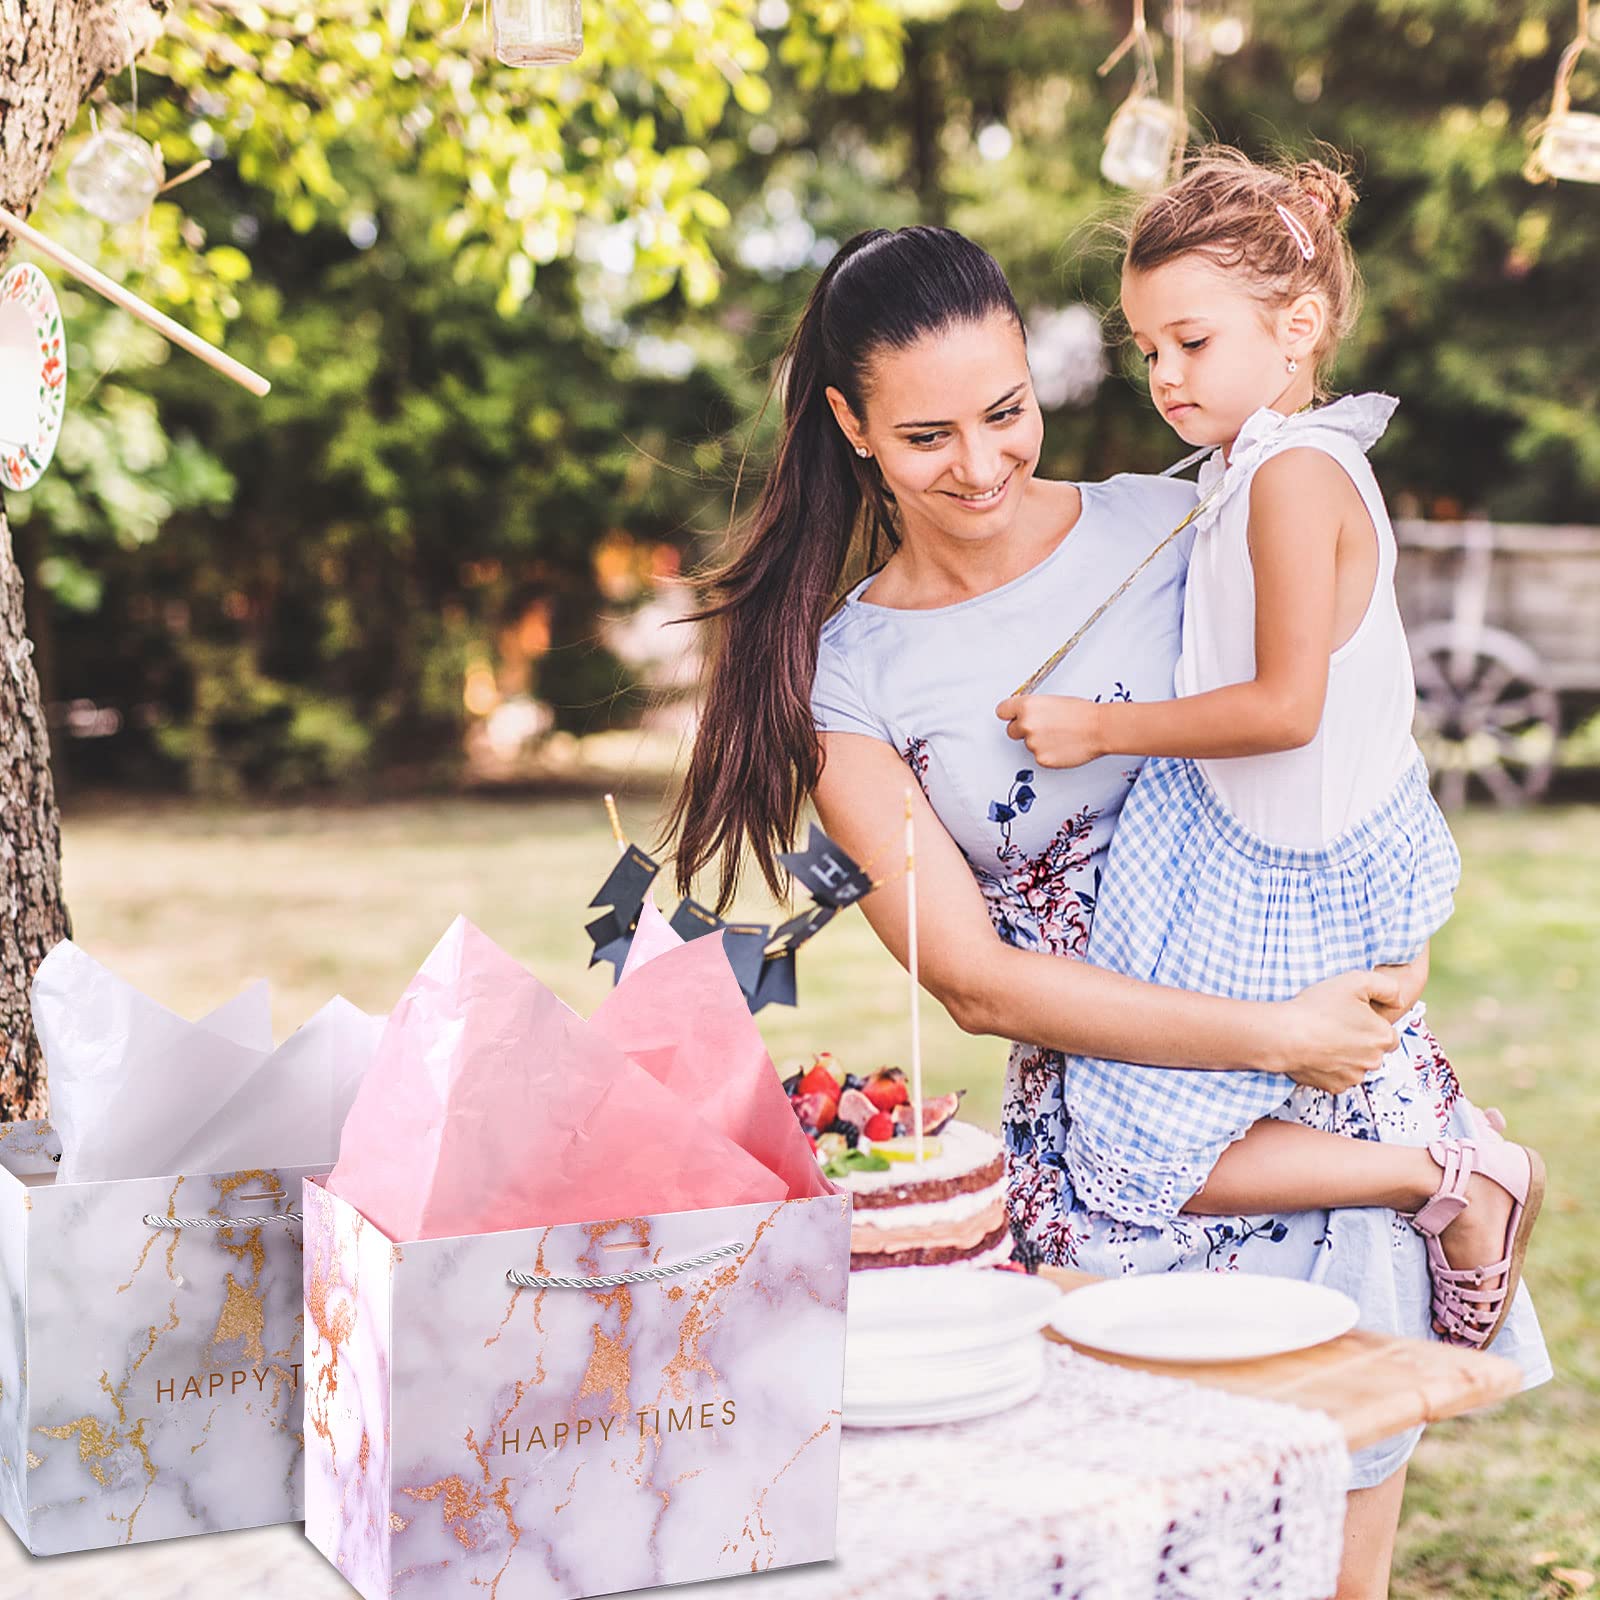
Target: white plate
x,y
33,375
914,1382
1203,1316
961,1408
921,1311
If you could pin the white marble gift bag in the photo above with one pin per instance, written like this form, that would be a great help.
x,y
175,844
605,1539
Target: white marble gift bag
x,y
150,1375
469,1435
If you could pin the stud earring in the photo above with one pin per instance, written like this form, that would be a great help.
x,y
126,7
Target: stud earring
x,y
1292,365
861,450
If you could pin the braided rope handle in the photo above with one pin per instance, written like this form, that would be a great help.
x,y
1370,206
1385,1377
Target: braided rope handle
x,y
151,1220
612,1280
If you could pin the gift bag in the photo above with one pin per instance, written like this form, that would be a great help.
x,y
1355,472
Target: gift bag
x,y
153,1326
150,1351
575,1294
574,1410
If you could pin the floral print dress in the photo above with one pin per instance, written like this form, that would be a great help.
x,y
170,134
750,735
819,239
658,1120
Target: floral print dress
x,y
1036,838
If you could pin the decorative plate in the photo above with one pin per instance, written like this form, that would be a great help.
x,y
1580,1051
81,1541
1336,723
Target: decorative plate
x,y
33,376
1203,1316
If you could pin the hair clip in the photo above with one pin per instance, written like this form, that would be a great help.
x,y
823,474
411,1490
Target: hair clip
x,y
1300,233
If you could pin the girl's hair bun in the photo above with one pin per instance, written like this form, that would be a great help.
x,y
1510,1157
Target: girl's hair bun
x,y
1329,190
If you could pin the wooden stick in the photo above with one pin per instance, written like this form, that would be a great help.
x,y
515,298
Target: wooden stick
x,y
911,963
130,302
616,825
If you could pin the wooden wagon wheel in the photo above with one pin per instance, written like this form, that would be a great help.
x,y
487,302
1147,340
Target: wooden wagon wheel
x,y
1485,711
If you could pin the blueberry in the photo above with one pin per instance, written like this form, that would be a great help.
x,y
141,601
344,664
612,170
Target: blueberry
x,y
791,1085
851,1081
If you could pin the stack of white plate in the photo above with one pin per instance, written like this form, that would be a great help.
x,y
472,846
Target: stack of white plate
x,y
942,1344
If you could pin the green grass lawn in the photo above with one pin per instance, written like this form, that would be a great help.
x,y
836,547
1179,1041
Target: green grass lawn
x,y
189,904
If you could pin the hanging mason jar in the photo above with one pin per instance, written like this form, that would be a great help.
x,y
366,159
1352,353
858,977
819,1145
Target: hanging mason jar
x,y
1568,146
536,33
1144,136
115,176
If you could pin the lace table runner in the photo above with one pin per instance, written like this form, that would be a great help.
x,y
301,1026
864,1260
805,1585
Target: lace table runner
x,y
1109,1485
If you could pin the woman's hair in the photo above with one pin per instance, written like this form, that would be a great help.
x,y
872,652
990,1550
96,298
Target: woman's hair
x,y
756,754
1225,207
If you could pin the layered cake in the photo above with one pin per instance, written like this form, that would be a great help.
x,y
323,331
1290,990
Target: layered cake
x,y
948,1208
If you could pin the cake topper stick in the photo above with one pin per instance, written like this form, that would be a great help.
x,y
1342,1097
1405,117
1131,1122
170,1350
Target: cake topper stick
x,y
911,963
616,824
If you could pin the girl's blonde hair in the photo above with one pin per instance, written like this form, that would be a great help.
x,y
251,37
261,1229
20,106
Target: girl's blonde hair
x,y
1226,208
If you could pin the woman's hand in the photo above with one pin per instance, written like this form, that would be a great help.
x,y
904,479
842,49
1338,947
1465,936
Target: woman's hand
x,y
1335,1035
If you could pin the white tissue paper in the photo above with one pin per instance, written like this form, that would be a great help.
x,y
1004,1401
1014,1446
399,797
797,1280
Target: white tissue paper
x,y
137,1091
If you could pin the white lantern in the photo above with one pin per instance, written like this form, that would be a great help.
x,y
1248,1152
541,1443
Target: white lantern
x,y
1141,142
115,176
1569,147
536,33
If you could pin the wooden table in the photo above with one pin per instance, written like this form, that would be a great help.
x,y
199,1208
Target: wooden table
x,y
1372,1385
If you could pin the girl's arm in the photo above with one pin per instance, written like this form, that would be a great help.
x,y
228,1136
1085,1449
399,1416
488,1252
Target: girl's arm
x,y
1300,503
1328,1036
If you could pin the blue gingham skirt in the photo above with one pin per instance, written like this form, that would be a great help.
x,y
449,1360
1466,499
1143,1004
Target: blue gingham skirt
x,y
1195,900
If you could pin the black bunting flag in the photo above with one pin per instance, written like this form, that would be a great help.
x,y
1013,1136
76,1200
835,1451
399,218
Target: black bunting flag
x,y
828,873
762,959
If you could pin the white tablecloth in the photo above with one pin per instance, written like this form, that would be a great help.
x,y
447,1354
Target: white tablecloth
x,y
1109,1485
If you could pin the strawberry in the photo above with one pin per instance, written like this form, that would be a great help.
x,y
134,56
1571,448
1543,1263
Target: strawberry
x,y
820,1081
887,1089
881,1127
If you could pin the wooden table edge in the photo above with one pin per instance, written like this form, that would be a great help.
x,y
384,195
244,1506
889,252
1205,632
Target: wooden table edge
x,y
1373,1385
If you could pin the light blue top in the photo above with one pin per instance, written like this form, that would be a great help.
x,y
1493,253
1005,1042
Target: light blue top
x,y
928,681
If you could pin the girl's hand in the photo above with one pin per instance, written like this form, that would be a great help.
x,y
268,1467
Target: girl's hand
x,y
1334,1033
1058,730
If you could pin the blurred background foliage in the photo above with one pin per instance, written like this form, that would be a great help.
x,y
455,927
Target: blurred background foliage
x,y
519,326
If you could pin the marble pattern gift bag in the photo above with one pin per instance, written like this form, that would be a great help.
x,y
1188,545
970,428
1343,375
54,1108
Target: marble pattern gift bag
x,y
149,1375
151,1299
575,1295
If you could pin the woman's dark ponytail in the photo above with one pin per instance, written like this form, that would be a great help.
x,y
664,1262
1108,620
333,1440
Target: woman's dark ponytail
x,y
756,755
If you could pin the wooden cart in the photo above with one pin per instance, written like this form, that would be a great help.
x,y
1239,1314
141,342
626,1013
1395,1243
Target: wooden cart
x,y
1504,624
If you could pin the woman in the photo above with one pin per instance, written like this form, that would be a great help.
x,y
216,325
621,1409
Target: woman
x,y
908,409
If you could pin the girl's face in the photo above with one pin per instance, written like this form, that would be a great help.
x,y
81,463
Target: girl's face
x,y
1215,353
954,427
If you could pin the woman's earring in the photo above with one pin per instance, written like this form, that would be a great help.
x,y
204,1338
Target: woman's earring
x,y
861,450
1292,364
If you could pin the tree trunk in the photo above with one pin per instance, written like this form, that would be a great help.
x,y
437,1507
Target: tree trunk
x,y
53,55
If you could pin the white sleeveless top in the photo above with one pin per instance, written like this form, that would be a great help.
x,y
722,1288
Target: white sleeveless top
x,y
1302,798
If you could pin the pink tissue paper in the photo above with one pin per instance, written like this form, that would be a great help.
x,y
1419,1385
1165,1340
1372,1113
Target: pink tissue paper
x,y
492,1105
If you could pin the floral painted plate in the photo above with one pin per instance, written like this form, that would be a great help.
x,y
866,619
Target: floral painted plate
x,y
33,376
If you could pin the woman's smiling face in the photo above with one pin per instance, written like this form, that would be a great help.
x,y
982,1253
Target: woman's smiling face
x,y
954,427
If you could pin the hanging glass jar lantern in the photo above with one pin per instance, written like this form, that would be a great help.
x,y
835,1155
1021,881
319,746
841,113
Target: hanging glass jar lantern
x,y
536,33
1141,143
1146,136
1568,141
115,176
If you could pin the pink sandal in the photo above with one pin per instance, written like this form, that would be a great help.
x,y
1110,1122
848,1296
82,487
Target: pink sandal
x,y
1464,1312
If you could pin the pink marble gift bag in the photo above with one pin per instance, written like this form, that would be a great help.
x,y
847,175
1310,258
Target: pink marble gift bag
x,y
468,1436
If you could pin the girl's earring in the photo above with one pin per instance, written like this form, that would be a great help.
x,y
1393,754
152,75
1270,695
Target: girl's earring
x,y
1292,365
861,450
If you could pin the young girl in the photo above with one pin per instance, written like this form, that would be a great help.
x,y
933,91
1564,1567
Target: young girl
x,y
1284,830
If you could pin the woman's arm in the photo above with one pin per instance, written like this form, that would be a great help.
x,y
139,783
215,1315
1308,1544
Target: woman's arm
x,y
1329,1036
1299,506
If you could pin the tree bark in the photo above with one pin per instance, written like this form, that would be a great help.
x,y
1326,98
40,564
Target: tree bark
x,y
53,55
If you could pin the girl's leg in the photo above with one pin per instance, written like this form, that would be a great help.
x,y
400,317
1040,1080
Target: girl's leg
x,y
1286,1166
1371,1521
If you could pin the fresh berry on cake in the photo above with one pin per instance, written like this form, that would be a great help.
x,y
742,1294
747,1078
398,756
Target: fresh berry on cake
x,y
948,1208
